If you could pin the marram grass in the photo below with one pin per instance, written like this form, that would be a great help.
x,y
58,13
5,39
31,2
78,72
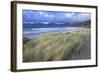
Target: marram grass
x,y
58,46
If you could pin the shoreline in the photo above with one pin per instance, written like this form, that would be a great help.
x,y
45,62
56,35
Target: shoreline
x,y
35,35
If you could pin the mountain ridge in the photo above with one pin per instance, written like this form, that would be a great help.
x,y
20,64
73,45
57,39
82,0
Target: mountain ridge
x,y
53,25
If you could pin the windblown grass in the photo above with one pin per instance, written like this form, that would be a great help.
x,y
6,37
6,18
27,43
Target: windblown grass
x,y
58,46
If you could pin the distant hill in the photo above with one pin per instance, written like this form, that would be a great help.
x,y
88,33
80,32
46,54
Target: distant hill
x,y
51,24
84,24
42,25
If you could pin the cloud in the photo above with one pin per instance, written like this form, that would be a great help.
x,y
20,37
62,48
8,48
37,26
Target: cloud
x,y
54,16
70,15
82,16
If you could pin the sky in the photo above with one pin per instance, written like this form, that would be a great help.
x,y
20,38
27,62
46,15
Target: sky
x,y
54,16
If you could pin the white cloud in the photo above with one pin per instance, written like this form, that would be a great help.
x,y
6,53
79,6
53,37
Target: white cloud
x,y
45,22
83,16
69,14
40,12
46,15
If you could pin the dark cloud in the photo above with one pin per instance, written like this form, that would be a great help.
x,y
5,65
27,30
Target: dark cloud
x,y
54,16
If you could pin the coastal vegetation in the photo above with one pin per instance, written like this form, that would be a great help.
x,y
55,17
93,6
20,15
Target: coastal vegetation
x,y
58,46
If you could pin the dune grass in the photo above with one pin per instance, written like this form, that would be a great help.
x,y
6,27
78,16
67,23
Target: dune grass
x,y
58,46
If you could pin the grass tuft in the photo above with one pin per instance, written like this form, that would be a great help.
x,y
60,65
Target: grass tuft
x,y
58,46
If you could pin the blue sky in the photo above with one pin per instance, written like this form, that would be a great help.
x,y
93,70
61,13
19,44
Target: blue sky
x,y
54,16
